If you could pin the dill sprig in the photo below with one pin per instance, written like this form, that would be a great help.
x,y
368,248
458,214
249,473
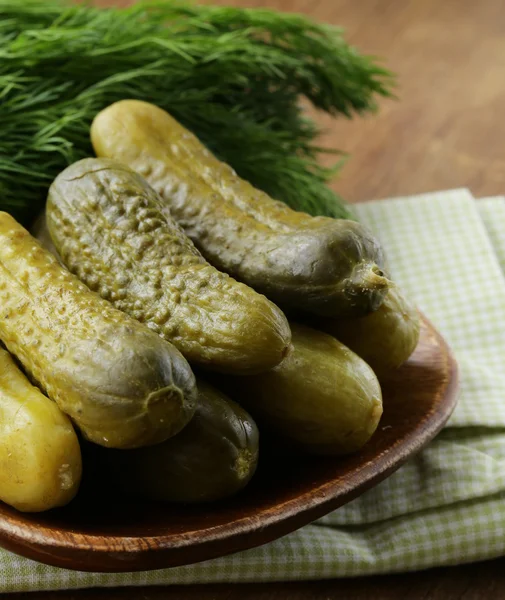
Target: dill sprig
x,y
234,76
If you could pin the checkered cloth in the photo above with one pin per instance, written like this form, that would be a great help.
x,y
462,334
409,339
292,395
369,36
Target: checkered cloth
x,y
445,506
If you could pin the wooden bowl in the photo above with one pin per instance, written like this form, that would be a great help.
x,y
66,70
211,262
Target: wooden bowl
x,y
92,534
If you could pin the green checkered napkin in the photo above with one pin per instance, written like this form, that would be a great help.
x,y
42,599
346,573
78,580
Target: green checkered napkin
x,y
445,506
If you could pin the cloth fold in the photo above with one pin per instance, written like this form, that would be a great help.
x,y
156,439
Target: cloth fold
x,y
447,504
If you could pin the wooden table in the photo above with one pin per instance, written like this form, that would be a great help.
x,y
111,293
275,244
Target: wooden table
x,y
447,130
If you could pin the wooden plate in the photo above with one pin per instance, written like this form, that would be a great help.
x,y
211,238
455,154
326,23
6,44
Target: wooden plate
x,y
93,535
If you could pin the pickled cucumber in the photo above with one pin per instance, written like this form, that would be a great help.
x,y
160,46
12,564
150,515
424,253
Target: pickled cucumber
x,y
213,457
384,339
323,398
323,266
121,384
109,229
40,458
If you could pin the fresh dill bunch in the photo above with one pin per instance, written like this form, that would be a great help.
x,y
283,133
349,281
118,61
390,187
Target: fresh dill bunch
x,y
233,76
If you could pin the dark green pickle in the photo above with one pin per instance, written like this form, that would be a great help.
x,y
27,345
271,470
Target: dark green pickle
x,y
384,339
212,458
328,267
109,228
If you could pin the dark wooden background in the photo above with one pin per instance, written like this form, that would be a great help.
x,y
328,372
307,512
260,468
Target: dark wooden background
x,y
446,130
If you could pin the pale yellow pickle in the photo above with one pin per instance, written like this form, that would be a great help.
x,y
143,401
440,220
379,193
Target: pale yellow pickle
x,y
40,457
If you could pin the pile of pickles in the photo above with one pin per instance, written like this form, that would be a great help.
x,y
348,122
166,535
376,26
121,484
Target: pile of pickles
x,y
162,312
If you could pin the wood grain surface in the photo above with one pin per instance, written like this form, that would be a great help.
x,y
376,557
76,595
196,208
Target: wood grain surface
x,y
445,131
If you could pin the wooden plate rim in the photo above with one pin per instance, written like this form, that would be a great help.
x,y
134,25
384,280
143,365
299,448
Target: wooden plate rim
x,y
122,553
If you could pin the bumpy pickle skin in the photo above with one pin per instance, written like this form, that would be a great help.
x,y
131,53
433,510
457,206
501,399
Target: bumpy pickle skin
x,y
40,457
323,398
384,339
214,457
322,266
109,229
120,383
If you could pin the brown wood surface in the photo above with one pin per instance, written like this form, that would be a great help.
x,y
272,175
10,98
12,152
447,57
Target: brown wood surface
x,y
445,131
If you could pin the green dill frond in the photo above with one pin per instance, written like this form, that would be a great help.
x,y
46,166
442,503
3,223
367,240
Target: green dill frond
x,y
234,76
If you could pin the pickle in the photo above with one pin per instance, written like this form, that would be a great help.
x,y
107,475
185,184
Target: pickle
x,y
384,339
120,383
108,228
212,458
323,398
40,457
319,265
